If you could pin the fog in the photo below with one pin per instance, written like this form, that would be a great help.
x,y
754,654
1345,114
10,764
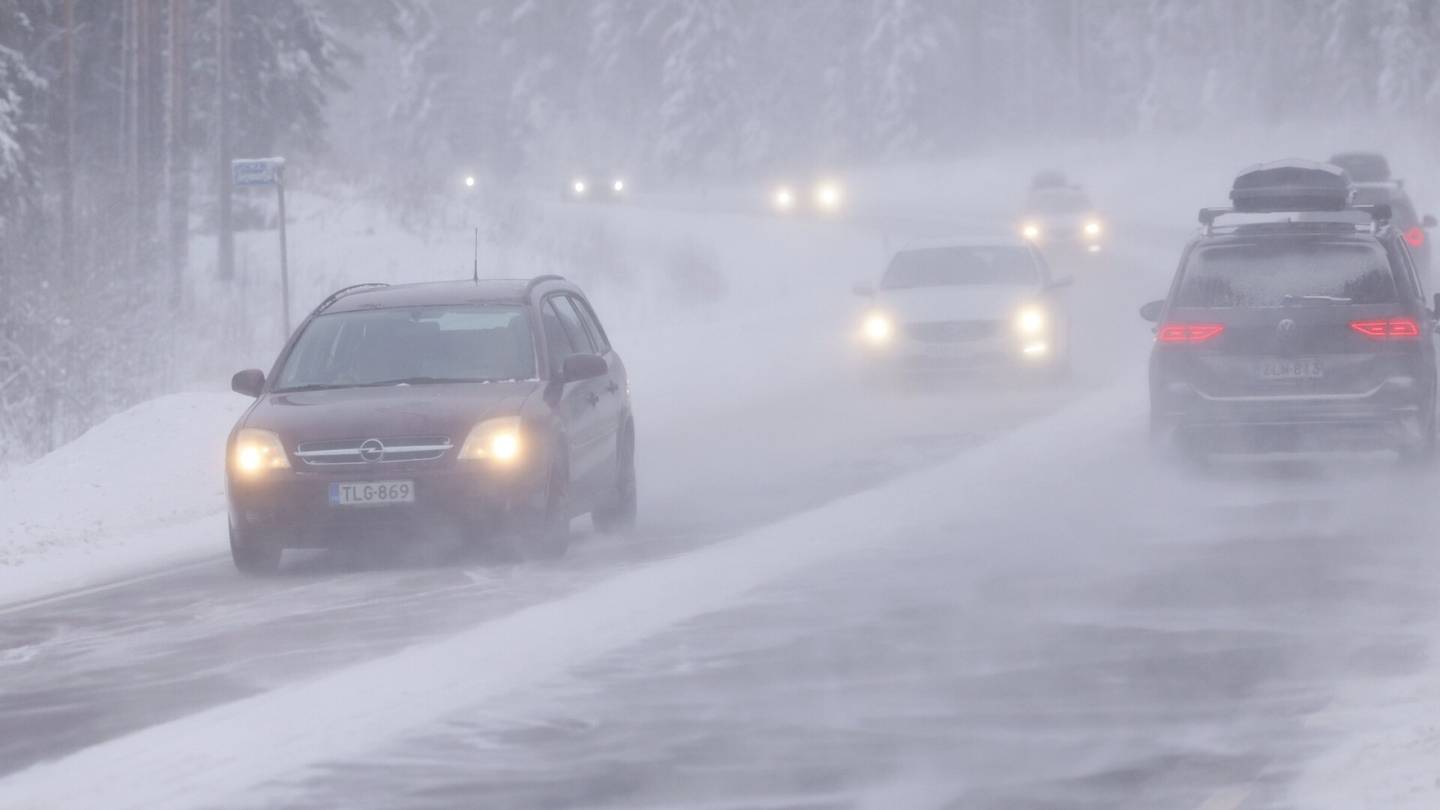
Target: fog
x,y
928,514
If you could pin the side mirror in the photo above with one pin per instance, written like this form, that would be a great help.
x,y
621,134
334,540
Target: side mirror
x,y
1060,283
1429,221
583,367
864,289
1151,311
249,382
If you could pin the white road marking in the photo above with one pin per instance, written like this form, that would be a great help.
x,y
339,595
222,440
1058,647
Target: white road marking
x,y
20,607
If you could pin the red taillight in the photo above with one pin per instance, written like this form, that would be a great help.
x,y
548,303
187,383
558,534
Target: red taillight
x,y
1188,332
1415,236
1388,329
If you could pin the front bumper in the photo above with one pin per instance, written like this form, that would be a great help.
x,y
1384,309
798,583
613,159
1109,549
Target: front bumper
x,y
293,508
905,354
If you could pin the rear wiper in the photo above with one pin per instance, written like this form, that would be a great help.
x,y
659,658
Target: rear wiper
x,y
1316,299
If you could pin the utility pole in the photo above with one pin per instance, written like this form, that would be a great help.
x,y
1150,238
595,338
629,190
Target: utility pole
x,y
226,240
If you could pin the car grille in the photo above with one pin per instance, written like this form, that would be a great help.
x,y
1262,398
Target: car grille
x,y
362,451
952,331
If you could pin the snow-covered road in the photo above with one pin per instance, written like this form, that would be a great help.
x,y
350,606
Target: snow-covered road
x,y
947,597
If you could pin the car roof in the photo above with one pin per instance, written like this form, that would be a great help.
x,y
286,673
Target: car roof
x,y
437,293
1332,230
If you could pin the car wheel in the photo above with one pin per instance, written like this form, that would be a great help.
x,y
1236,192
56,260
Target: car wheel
x,y
254,556
545,529
619,516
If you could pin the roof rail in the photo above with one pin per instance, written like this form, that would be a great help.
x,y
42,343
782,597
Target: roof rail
x,y
541,279
1379,214
344,291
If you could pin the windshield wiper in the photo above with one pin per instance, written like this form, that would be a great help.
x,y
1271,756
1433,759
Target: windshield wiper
x,y
422,381
312,387
1316,299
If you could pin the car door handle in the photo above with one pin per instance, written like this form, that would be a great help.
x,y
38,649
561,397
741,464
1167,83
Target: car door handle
x,y
592,398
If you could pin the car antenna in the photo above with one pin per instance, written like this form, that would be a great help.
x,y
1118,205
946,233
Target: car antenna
x,y
475,270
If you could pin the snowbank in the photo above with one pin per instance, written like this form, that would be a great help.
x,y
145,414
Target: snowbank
x,y
124,496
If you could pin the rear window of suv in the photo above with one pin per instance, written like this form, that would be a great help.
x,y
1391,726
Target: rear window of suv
x,y
1286,271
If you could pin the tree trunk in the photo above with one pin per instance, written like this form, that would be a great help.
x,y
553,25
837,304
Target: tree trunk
x,y
177,150
226,240
68,271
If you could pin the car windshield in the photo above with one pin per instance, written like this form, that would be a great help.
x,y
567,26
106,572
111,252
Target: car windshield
x,y
1059,201
960,266
1285,272
415,345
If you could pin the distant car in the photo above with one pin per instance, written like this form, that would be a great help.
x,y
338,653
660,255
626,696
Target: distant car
x,y
1049,178
1363,167
1403,216
1062,218
597,187
823,196
966,304
1296,321
470,408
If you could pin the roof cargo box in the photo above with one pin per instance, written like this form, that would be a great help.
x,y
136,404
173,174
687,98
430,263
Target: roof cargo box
x,y
1291,185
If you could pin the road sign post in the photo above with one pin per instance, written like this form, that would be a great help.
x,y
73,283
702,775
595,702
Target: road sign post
x,y
269,172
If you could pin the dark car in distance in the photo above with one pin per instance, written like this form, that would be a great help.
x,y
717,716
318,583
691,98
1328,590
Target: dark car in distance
x,y
1299,323
482,409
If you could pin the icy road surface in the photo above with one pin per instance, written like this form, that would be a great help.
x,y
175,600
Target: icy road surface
x,y
939,598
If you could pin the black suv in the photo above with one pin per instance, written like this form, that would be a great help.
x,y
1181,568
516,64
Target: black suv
x,y
463,407
1370,173
1300,324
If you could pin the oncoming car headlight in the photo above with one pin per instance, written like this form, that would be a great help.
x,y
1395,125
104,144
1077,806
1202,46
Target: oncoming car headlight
x,y
877,328
256,451
1092,228
579,187
1030,230
495,439
1030,320
783,199
828,196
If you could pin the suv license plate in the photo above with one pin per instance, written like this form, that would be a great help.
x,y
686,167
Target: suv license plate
x,y
1291,368
372,493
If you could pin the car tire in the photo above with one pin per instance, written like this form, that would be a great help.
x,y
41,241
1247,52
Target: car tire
x,y
545,528
254,556
619,516
1422,452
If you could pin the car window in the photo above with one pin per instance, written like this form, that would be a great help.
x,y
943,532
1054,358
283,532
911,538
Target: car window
x,y
960,266
1405,275
1059,201
414,345
1402,212
593,324
574,327
1281,271
557,339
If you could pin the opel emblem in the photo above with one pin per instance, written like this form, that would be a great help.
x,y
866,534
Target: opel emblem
x,y
1285,328
372,450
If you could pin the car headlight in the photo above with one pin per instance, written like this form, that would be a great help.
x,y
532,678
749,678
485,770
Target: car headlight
x,y
1092,228
618,186
878,328
783,199
497,439
1030,230
1030,321
579,187
828,196
256,451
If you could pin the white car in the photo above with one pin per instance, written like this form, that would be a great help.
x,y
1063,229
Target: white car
x,y
966,304
1062,219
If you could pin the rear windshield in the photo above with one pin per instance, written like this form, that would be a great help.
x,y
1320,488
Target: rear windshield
x,y
960,266
412,346
1402,213
1286,272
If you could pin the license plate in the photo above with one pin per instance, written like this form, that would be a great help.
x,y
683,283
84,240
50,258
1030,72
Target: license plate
x,y
372,493
1291,368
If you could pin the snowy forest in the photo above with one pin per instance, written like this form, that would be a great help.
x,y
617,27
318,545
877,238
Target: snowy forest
x,y
118,119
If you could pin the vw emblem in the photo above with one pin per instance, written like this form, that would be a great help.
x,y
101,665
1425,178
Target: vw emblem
x,y
372,450
1285,328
